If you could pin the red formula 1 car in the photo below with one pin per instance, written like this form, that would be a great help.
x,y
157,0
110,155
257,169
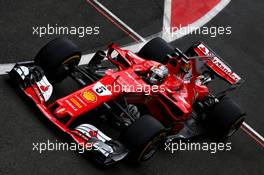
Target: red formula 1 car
x,y
145,98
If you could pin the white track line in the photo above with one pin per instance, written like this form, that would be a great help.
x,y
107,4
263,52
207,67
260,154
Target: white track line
x,y
119,21
253,134
4,68
167,16
253,131
166,20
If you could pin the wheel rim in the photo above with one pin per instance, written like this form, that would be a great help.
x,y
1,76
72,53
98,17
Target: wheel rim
x,y
150,152
73,59
151,148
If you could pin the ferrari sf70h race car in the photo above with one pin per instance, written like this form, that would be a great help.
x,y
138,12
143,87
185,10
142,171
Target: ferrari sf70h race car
x,y
127,104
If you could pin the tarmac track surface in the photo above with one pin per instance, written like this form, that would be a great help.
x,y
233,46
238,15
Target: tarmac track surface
x,y
21,126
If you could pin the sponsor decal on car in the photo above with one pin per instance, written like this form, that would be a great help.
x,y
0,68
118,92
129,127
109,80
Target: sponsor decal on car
x,y
219,63
74,101
71,105
101,90
89,96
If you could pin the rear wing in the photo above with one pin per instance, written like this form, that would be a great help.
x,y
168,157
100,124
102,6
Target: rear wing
x,y
217,65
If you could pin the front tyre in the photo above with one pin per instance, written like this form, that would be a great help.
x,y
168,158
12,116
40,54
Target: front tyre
x,y
56,56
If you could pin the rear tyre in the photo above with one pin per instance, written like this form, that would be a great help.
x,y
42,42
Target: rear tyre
x,y
57,58
156,49
143,138
225,119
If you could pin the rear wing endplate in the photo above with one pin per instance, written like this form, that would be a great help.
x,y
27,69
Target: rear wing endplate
x,y
216,64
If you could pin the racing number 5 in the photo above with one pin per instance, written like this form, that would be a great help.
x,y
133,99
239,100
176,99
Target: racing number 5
x,y
100,89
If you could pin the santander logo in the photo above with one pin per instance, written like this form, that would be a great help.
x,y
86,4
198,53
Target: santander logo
x,y
218,63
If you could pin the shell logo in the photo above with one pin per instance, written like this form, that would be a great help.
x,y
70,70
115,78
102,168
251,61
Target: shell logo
x,y
89,96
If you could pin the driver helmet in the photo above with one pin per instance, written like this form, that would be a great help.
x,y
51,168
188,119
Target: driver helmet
x,y
157,74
